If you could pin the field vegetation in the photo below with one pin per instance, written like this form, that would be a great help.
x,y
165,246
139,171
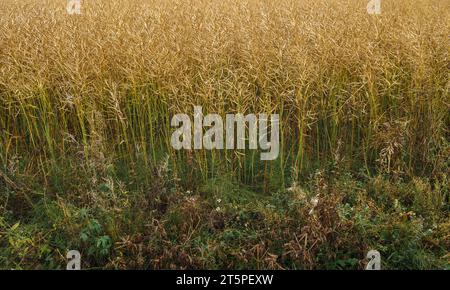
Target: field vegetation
x,y
85,156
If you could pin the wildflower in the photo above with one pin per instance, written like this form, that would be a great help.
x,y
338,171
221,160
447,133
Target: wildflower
x,y
314,201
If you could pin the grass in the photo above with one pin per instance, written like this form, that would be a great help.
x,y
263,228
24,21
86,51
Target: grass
x,y
85,159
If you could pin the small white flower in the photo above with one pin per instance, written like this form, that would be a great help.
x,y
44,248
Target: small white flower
x,y
314,201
